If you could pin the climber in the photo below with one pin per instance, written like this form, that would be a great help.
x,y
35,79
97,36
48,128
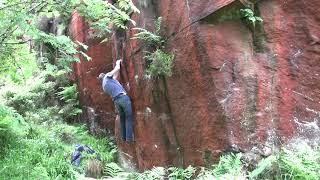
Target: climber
x,y
111,86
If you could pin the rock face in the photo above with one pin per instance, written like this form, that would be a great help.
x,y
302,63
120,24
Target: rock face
x,y
97,107
234,85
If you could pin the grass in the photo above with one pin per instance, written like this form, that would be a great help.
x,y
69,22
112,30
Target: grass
x,y
35,140
44,153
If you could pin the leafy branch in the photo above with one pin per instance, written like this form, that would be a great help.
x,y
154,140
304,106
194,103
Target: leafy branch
x,y
249,16
159,63
152,38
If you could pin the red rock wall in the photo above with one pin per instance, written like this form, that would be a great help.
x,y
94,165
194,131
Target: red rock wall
x,y
98,110
233,87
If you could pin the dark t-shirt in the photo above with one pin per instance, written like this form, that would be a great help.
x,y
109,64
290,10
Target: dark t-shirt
x,y
112,87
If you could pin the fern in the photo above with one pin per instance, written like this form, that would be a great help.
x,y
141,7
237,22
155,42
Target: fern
x,y
157,25
152,38
156,173
228,164
263,165
249,15
205,174
127,5
180,174
99,14
112,170
12,125
301,162
148,37
69,95
160,63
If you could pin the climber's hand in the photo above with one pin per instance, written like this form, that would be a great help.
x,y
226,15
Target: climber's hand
x,y
118,62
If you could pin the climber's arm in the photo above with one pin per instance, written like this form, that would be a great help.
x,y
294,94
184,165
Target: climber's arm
x,y
116,70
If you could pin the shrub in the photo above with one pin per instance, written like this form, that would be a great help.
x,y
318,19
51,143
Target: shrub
x,y
180,173
228,164
263,166
12,125
249,16
112,169
151,38
301,162
34,154
160,63
69,95
156,173
35,94
44,152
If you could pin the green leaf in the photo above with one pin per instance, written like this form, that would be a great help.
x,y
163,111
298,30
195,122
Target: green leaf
x,y
252,19
259,19
262,166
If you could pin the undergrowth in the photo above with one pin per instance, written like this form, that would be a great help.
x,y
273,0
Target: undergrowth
x,y
297,163
35,140
44,152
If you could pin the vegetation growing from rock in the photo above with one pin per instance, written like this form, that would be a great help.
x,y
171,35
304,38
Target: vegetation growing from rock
x,y
151,38
159,63
250,17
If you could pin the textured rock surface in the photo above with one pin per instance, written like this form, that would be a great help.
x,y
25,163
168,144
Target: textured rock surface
x,y
98,108
233,86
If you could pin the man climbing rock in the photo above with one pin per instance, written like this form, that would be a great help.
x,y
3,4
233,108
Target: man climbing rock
x,y
111,86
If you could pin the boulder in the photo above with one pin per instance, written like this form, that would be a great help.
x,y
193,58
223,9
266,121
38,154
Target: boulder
x,y
235,85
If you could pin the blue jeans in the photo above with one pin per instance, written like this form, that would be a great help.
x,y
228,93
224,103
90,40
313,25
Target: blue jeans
x,y
123,105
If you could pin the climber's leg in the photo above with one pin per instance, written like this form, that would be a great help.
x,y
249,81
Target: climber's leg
x,y
128,118
119,106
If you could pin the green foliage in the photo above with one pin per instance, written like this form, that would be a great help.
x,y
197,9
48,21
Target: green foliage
x,y
298,161
180,173
156,173
64,47
148,37
262,166
249,16
18,66
204,174
160,63
34,95
112,169
228,164
19,21
127,5
36,151
152,38
69,95
12,125
301,162
19,26
48,93
100,13
44,152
